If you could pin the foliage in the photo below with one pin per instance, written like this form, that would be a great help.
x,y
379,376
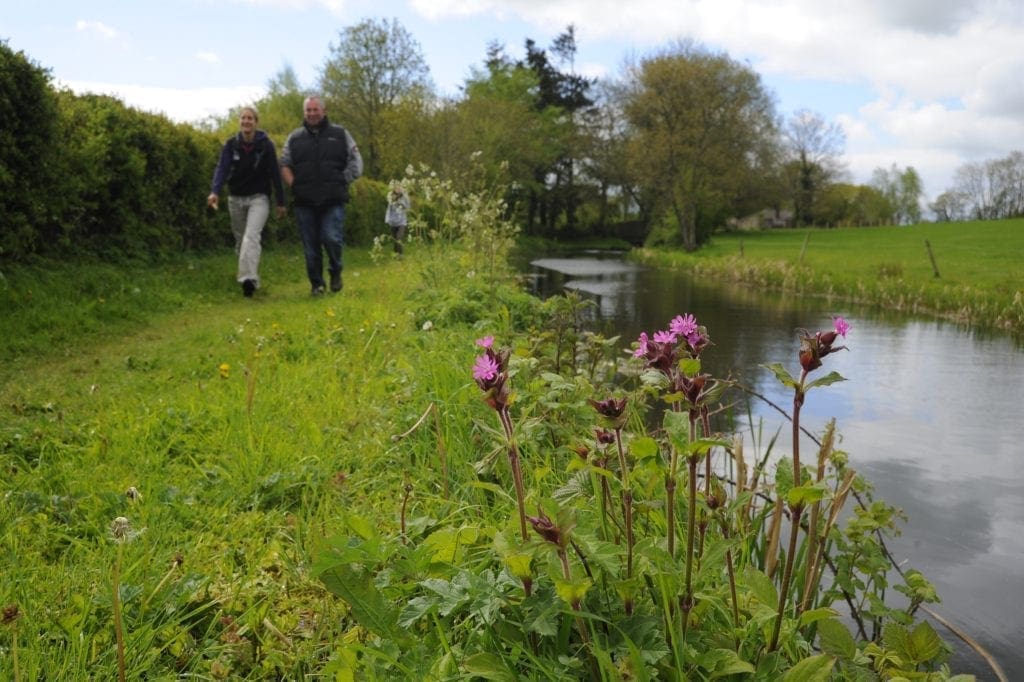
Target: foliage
x,y
130,181
813,151
902,190
293,511
28,140
371,69
699,119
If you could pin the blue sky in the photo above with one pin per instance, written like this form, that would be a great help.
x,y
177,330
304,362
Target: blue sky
x,y
928,83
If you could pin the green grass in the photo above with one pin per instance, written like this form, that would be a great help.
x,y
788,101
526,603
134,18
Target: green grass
x,y
981,280
263,436
113,379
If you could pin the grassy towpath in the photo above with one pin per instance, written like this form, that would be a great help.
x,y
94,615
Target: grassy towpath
x,y
980,266
244,425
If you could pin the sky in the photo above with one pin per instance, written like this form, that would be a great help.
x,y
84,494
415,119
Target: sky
x,y
932,84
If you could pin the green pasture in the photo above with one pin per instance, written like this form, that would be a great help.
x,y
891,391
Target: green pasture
x,y
980,266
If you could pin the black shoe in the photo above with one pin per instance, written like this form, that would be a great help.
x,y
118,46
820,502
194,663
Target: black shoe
x,y
336,282
318,290
248,286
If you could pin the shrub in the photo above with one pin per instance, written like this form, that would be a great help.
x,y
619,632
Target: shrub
x,y
27,145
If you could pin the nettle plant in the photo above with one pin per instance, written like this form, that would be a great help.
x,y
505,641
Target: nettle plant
x,y
627,539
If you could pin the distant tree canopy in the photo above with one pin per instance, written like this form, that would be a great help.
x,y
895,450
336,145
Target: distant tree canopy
x,y
680,143
987,190
373,68
700,122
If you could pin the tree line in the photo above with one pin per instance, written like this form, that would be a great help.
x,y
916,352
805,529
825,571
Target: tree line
x,y
685,141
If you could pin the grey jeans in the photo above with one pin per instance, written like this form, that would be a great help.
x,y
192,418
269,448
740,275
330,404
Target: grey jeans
x,y
248,216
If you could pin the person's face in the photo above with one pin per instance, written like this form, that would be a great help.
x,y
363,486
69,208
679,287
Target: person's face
x,y
314,111
247,122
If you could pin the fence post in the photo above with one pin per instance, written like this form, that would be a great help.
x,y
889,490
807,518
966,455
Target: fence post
x,y
803,249
931,256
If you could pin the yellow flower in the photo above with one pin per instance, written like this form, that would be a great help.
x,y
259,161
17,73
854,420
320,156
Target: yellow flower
x,y
330,313
225,369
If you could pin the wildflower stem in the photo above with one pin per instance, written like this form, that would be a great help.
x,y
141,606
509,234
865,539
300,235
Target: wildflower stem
x,y
517,474
627,510
795,511
118,628
812,523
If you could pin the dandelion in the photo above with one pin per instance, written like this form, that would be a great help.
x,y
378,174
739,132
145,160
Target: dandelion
x,y
427,326
225,370
133,494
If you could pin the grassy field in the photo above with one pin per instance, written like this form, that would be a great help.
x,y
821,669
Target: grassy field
x,y
980,267
244,424
266,457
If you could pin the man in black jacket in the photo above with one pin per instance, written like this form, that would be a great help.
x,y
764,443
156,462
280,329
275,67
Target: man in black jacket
x,y
319,162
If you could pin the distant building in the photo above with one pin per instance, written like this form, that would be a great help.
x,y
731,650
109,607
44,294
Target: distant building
x,y
764,219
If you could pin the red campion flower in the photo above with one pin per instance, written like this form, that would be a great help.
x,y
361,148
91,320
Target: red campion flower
x,y
612,409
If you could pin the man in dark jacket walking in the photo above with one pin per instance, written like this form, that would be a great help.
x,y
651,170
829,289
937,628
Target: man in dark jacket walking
x,y
319,162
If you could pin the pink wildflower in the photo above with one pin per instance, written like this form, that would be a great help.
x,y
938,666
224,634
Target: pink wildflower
x,y
485,342
684,326
485,368
641,349
664,337
841,326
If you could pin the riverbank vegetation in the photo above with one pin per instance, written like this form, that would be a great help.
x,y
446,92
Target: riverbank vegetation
x,y
430,476
966,272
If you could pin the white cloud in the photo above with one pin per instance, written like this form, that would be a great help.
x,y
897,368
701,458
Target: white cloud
x,y
208,57
178,104
336,7
97,28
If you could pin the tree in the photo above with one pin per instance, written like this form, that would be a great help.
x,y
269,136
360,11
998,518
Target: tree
x,y
902,189
813,148
701,121
563,96
28,150
371,69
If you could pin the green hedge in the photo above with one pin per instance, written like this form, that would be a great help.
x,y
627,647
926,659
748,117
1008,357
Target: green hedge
x,y
86,174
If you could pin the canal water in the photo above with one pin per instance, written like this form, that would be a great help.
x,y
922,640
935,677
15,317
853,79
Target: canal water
x,y
930,413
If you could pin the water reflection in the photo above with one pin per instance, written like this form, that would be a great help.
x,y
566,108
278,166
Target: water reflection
x,y
929,413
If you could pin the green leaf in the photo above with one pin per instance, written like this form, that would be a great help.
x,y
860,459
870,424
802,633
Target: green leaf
x,y
813,669
677,426
572,592
761,586
724,662
835,639
827,380
924,643
368,605
489,667
361,526
782,375
644,447
690,367
814,615
806,494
